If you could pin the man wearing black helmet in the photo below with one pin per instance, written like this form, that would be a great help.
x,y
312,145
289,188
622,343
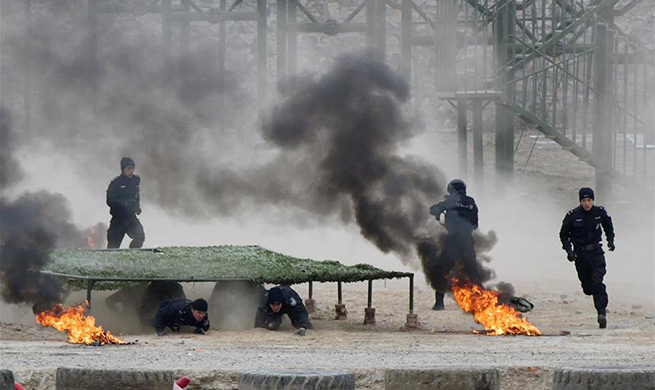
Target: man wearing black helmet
x,y
179,312
278,301
461,218
124,204
581,229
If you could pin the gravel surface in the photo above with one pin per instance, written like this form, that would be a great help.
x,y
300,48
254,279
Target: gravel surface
x,y
571,337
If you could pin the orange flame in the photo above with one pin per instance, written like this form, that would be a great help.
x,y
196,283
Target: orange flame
x,y
81,328
90,239
497,319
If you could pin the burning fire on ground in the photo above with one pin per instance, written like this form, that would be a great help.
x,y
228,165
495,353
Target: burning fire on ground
x,y
497,319
92,237
81,328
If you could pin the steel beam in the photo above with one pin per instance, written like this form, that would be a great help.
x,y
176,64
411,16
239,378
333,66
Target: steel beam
x,y
478,166
381,29
27,69
89,289
369,302
602,130
213,17
281,29
167,36
405,40
370,23
504,137
340,28
292,37
222,39
185,30
461,138
261,52
411,294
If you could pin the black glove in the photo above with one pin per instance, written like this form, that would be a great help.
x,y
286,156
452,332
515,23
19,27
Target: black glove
x,y
571,256
131,206
435,211
161,333
301,332
199,331
611,246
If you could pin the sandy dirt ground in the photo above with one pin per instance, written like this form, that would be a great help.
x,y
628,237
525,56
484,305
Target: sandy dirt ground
x,y
566,317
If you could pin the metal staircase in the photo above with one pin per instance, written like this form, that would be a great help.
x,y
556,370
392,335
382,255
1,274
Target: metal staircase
x,y
566,68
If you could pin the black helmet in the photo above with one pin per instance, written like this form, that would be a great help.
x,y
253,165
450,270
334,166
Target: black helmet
x,y
457,186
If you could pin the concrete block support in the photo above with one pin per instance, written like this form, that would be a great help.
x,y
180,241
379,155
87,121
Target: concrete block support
x,y
369,316
412,321
596,378
310,305
6,380
442,378
85,379
340,312
296,380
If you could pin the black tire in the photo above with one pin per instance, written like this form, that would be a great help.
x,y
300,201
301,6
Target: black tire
x,y
233,304
296,380
86,379
442,378
6,380
604,378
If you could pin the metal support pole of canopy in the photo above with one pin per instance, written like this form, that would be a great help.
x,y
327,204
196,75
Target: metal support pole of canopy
x,y
89,288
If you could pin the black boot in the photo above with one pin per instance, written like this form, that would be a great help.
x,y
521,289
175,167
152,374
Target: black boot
x,y
438,301
602,321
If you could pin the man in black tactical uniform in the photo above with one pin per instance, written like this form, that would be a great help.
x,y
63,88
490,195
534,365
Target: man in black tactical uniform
x,y
461,218
582,228
179,312
124,205
278,301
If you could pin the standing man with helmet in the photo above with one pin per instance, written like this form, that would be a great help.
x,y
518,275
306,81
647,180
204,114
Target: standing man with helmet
x,y
124,205
461,218
581,228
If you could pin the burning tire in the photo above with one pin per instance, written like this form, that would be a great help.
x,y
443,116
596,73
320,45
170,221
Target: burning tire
x,y
233,304
446,378
296,380
85,379
604,378
6,380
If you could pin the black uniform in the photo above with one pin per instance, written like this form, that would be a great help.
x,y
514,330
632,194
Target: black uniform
x,y
176,313
582,229
291,305
461,214
124,205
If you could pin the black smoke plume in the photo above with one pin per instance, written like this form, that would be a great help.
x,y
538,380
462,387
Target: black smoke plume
x,y
31,226
10,170
345,129
336,138
170,112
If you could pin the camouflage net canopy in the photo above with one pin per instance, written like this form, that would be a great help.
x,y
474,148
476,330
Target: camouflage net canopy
x,y
116,268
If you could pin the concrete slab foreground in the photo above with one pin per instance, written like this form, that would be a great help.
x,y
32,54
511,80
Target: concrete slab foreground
x,y
85,379
296,380
598,378
442,378
6,380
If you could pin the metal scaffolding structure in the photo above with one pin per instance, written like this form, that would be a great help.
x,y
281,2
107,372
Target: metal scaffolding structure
x,y
563,67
